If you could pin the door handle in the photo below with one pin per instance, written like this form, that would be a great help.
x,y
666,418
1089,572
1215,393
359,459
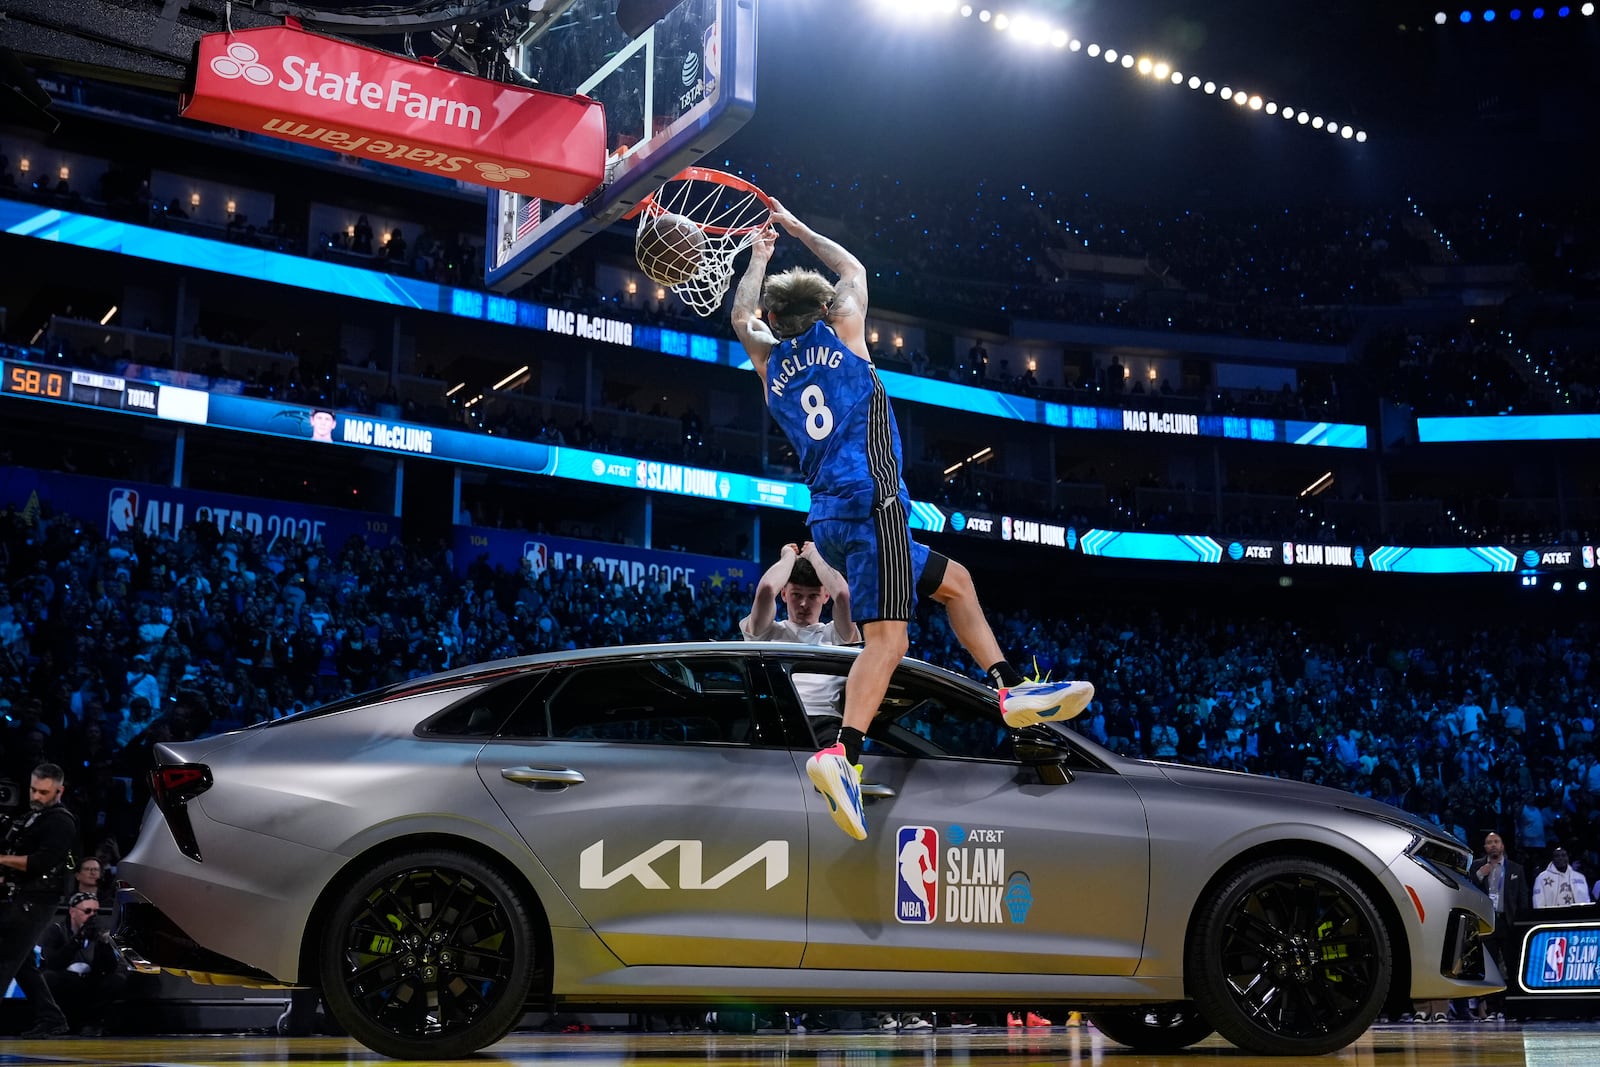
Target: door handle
x,y
875,791
538,775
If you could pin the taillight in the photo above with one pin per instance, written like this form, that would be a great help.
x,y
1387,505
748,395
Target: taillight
x,y
172,786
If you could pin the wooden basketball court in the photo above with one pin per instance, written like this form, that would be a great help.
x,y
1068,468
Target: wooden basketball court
x,y
1541,1044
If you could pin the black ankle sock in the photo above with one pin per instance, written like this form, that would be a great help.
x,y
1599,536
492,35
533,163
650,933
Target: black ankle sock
x,y
851,739
1005,675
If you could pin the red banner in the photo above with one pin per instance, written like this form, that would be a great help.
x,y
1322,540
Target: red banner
x,y
284,82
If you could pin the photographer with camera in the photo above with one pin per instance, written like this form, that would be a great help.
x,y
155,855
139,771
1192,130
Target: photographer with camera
x,y
39,849
80,966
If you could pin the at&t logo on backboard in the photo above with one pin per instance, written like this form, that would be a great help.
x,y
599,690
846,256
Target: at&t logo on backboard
x,y
916,879
122,511
1555,959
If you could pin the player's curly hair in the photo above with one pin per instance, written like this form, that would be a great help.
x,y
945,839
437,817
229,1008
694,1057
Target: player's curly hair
x,y
795,300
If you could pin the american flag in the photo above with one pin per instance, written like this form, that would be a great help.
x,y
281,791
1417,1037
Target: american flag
x,y
527,217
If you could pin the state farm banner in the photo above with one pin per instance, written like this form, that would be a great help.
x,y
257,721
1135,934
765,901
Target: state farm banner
x,y
287,83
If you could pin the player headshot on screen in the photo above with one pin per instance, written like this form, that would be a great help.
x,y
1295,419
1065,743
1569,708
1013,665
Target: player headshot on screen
x,y
322,424
822,390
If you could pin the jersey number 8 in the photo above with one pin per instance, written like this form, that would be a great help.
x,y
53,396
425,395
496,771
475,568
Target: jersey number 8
x,y
819,417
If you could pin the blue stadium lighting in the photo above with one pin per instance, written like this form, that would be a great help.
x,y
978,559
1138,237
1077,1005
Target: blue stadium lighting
x,y
1538,12
1466,16
1488,16
1563,11
1516,13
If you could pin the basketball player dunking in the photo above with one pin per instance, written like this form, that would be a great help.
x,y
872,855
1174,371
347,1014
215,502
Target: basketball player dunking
x,y
824,394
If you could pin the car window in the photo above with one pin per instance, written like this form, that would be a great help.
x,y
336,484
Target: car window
x,y
922,717
664,700
481,713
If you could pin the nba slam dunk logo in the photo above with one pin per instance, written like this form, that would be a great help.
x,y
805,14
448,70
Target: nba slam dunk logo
x,y
1555,959
916,881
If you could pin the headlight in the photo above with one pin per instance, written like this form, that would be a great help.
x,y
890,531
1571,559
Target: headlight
x,y
1440,856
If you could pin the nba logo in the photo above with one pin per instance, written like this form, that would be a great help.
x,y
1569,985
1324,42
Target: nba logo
x,y
713,56
1588,555
1555,959
1005,527
1288,551
537,555
916,879
122,512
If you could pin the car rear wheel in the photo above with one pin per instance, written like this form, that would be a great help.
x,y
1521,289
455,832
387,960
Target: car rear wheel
x,y
1154,1028
428,955
1289,957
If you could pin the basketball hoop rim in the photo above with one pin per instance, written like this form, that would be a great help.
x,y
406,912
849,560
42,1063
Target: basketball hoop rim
x,y
649,207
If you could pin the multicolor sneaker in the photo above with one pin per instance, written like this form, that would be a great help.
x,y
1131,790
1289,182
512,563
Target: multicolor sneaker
x,y
840,785
1028,703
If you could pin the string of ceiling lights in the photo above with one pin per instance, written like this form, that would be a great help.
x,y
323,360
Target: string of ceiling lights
x,y
1041,32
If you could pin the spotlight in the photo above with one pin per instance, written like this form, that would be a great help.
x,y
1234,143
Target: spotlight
x,y
1347,132
1161,71
1177,77
1361,137
966,11
1094,50
1556,586
1515,14
1563,11
1059,38
984,16
1272,107
1488,16
1001,21
1587,9
1145,66
1111,55
1225,92
1075,44
1304,118
1288,112
1466,16
1316,123
1211,87
1583,587
1127,61
1538,12
1440,19
1255,103
1194,81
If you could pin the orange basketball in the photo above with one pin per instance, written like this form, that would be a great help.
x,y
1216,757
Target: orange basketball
x,y
669,248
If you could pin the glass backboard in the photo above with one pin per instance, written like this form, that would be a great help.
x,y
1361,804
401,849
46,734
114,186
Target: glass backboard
x,y
672,94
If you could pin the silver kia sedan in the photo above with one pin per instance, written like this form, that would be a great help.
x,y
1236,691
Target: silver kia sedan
x,y
632,828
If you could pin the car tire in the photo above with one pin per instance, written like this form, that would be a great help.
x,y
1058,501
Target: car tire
x,y
428,955
1154,1027
1289,957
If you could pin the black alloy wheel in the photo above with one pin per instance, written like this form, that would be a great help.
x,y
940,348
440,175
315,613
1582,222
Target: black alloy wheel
x,y
429,955
1290,957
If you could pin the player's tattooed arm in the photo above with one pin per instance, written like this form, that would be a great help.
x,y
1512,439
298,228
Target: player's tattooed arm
x,y
752,332
850,291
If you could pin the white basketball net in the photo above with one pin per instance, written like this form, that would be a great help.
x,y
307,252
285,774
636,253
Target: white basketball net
x,y
729,212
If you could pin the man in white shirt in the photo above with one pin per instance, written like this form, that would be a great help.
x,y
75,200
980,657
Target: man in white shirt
x,y
1559,885
804,582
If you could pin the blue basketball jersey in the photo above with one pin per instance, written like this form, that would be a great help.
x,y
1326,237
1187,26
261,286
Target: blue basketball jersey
x,y
831,406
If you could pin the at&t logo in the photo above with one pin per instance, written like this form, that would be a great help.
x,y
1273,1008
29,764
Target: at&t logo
x,y
241,61
958,522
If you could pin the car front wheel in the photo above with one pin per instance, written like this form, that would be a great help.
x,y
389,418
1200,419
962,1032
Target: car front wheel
x,y
1289,957
428,955
1155,1027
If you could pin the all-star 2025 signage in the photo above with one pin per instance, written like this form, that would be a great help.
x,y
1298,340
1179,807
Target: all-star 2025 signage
x,y
285,82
